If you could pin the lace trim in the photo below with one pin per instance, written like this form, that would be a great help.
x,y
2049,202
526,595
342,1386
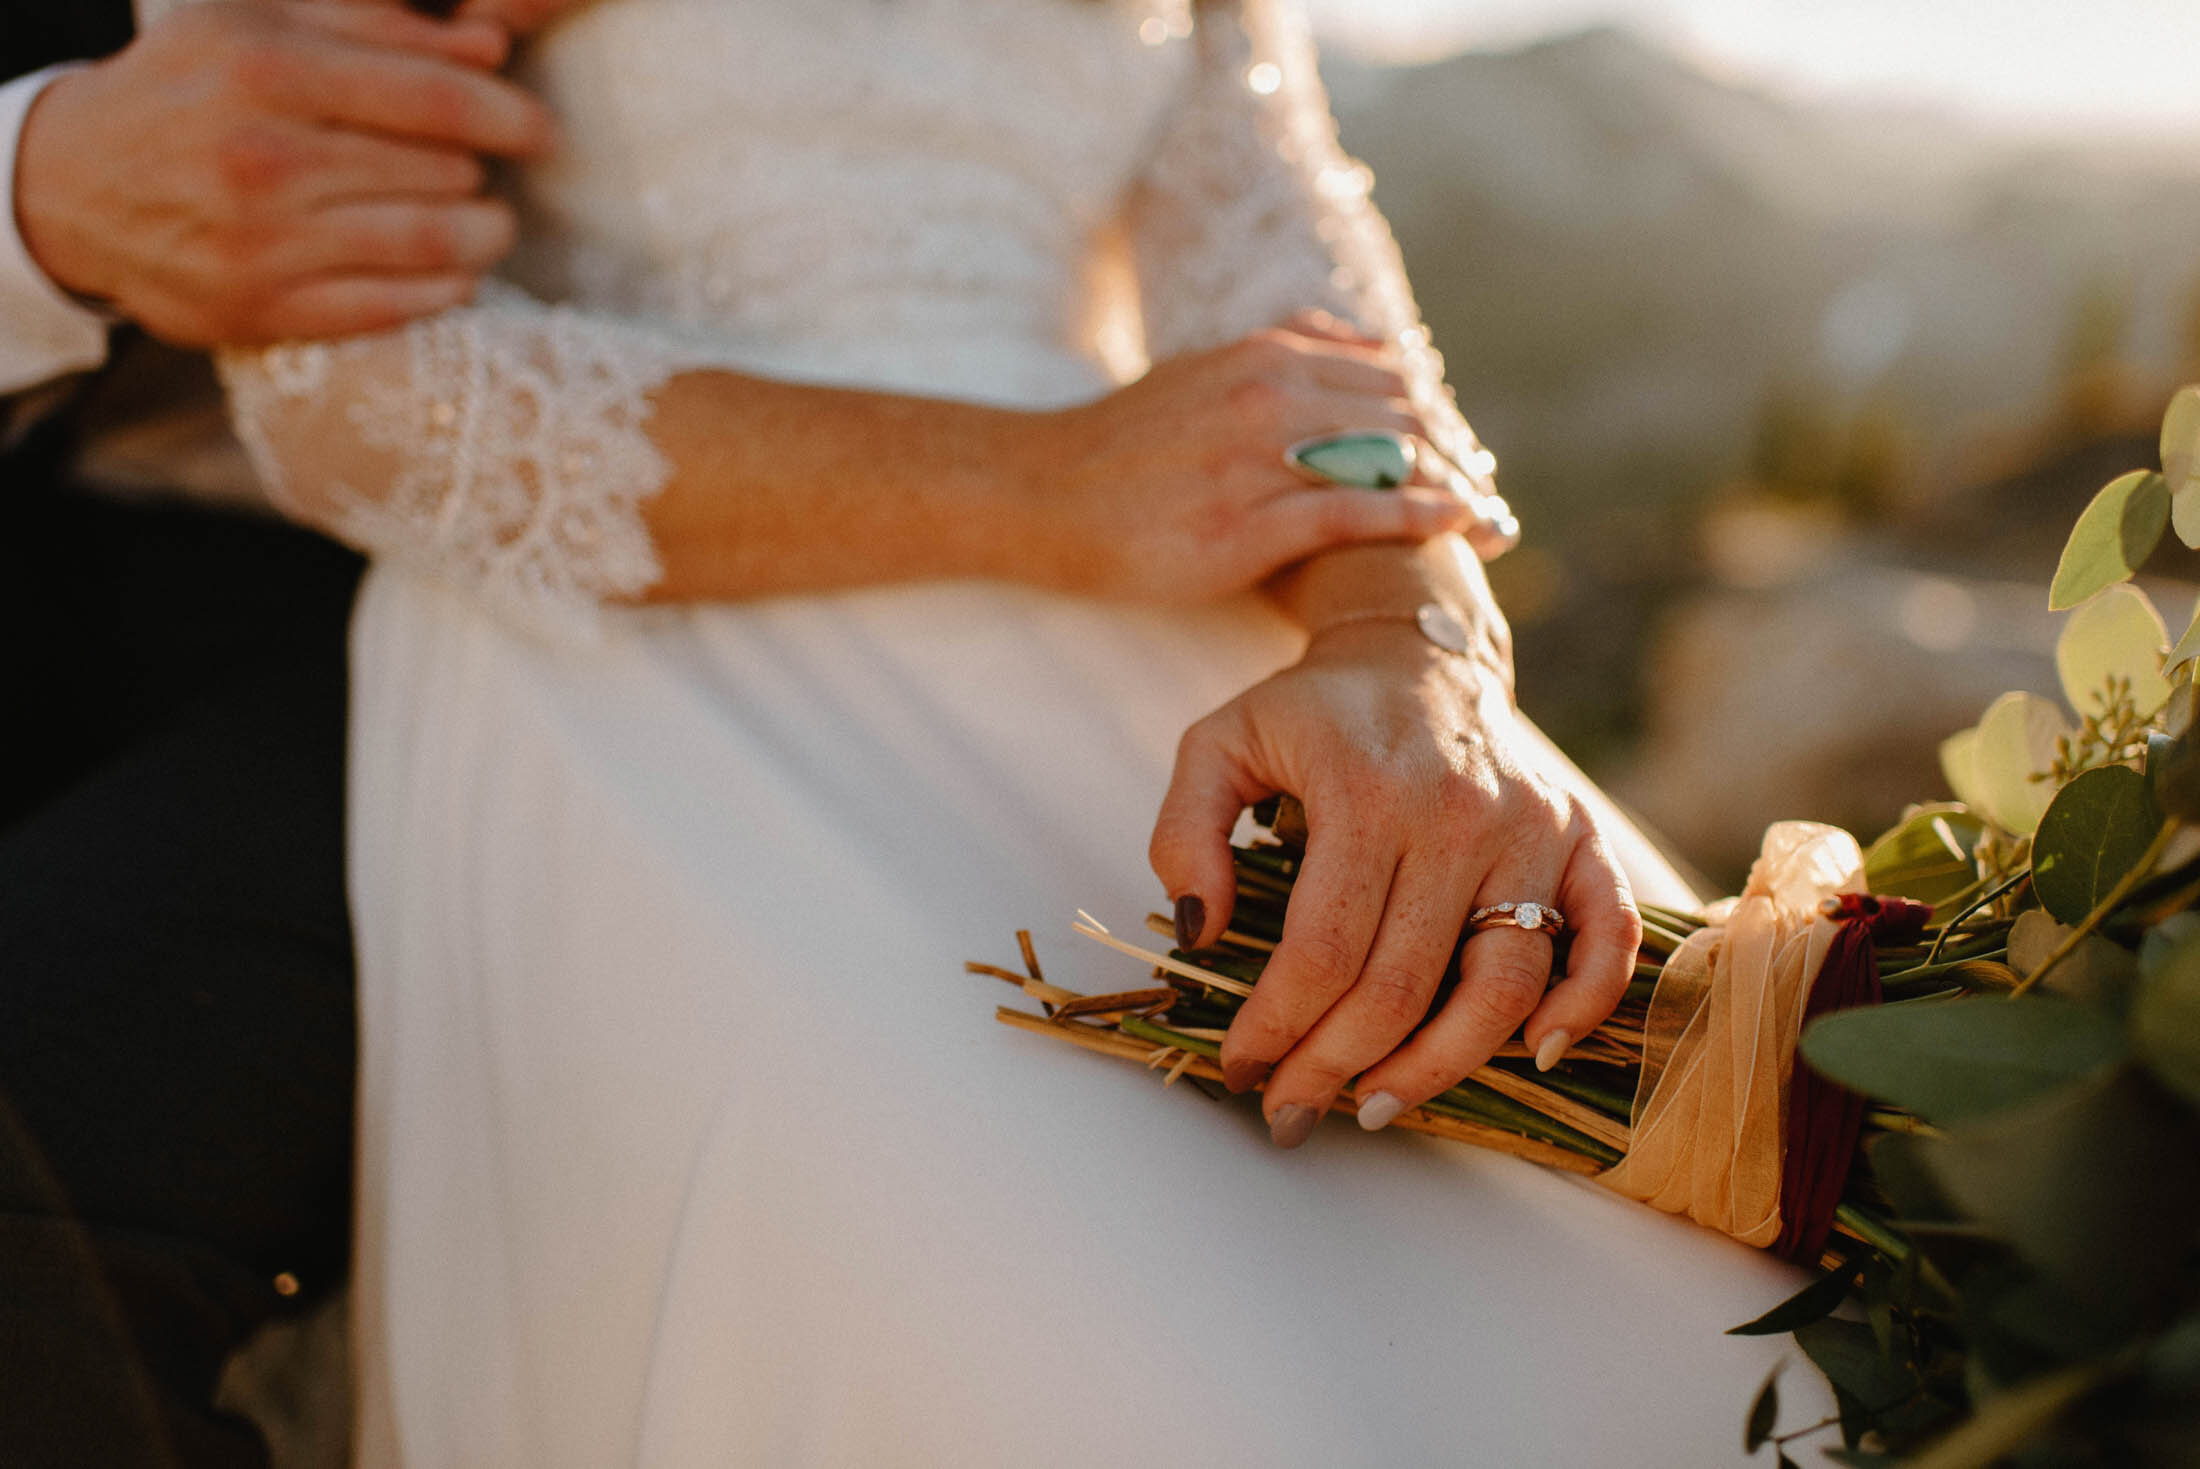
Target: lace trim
x,y
503,447
1251,211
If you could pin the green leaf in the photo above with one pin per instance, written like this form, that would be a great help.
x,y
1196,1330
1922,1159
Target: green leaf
x,y
1851,1360
2188,646
1963,1058
2004,1423
2097,972
2095,1183
2173,774
2181,462
2113,537
2116,635
2165,1016
1927,856
1813,1302
2016,741
1763,1413
1959,767
2096,830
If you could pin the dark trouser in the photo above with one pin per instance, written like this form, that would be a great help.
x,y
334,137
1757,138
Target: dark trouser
x,y
176,1024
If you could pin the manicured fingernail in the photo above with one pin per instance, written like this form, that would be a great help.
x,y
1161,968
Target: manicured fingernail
x,y
1191,920
1553,1048
1243,1076
1293,1124
1379,1111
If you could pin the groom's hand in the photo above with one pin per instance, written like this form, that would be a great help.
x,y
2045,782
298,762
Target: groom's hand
x,y
244,173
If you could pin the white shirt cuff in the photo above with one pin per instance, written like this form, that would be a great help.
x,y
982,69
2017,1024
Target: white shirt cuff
x,y
44,332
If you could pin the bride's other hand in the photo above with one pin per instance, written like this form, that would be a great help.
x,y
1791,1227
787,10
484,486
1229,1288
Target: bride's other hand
x,y
1176,488
1426,799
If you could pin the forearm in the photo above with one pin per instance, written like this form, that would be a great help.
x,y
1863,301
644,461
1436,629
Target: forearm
x,y
780,488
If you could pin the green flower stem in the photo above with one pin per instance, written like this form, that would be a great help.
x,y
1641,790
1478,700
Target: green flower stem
x,y
1999,891
1669,918
2138,874
1616,1105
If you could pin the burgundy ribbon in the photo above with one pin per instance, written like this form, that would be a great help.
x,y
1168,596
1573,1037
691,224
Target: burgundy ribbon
x,y
1826,1119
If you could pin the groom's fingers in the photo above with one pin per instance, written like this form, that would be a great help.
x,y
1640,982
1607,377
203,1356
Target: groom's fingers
x,y
473,42
334,79
339,306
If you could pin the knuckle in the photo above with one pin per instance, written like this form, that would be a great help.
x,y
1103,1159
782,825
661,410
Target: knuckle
x,y
444,107
252,160
428,242
1502,993
1394,997
257,63
1322,962
1258,399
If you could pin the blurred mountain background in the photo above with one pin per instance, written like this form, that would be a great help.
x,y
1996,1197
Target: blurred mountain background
x,y
1797,399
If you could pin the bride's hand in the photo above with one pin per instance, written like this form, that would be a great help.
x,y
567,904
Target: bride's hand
x,y
1175,488
1425,799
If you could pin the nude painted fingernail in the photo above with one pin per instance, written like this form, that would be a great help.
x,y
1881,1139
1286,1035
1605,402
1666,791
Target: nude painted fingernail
x,y
1553,1048
1379,1111
1243,1076
1191,920
1293,1124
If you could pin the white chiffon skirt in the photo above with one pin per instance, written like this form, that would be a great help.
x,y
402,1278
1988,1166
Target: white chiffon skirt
x,y
686,1141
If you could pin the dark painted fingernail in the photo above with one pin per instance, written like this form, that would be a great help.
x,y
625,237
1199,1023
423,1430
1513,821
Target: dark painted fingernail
x,y
1243,1076
1191,920
1293,1124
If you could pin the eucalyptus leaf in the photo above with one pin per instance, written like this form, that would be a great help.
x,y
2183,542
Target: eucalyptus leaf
x,y
2006,1421
1763,1413
2165,1015
2095,1183
2181,462
2115,635
2187,646
1813,1302
2098,972
2173,1361
1852,1362
1959,767
2095,831
1959,1059
2173,773
2016,743
2113,537
1927,855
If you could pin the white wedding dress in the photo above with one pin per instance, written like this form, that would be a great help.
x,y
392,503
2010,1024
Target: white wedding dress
x,y
685,1140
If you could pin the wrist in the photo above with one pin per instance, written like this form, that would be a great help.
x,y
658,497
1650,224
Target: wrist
x,y
1427,638
42,185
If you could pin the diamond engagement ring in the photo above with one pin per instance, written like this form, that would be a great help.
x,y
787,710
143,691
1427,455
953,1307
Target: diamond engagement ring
x,y
1535,917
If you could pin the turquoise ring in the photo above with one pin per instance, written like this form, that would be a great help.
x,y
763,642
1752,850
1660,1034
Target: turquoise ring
x,y
1372,459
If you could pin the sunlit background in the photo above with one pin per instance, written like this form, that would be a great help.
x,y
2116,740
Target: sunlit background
x,y
2114,65
1802,332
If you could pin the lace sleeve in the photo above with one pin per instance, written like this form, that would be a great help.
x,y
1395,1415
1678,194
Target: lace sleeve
x,y
1250,212
503,447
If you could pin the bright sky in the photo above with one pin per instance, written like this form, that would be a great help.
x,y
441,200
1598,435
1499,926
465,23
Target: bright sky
x,y
2114,65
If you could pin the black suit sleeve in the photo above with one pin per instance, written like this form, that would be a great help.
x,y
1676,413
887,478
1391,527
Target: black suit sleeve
x,y
38,33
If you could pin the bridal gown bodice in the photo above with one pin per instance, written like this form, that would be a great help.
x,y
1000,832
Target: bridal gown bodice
x,y
901,193
684,1139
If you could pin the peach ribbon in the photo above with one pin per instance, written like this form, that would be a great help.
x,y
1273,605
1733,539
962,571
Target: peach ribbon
x,y
1710,1113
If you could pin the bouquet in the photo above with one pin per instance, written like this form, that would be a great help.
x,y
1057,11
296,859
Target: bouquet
x,y
1981,1038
